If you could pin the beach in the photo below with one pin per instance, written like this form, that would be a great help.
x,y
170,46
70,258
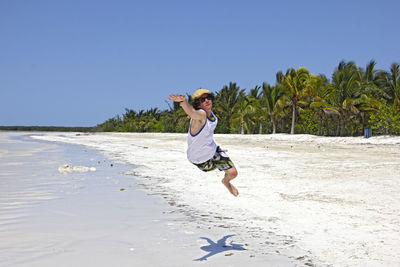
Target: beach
x,y
303,201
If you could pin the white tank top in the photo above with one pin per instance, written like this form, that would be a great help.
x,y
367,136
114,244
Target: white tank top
x,y
201,146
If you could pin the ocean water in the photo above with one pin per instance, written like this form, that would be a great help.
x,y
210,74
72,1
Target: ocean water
x,y
93,218
29,173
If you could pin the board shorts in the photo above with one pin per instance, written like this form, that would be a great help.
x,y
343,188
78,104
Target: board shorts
x,y
220,160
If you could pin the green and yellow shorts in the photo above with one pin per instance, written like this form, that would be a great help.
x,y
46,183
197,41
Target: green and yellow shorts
x,y
220,160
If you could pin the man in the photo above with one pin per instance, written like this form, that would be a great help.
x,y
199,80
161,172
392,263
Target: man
x,y
202,149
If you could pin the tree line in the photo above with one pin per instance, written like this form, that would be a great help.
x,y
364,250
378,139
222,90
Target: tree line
x,y
353,99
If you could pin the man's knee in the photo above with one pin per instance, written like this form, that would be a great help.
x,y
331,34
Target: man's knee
x,y
232,172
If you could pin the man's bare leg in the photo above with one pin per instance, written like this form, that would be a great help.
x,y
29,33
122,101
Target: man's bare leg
x,y
230,175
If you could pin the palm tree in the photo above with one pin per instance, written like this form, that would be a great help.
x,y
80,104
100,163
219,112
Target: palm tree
x,y
153,113
369,77
244,112
319,92
370,91
226,103
271,101
129,114
129,121
295,82
392,85
366,105
346,89
255,97
150,119
110,125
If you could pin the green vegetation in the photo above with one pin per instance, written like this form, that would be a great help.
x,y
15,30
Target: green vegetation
x,y
299,102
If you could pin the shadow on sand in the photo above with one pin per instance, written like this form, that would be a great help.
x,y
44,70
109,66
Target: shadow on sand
x,y
219,247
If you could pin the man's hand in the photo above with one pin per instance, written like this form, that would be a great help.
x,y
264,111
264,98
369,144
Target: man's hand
x,y
177,98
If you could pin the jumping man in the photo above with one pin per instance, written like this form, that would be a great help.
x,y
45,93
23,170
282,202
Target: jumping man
x,y
202,149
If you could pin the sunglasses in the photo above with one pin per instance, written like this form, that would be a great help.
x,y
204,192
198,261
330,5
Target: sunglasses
x,y
209,97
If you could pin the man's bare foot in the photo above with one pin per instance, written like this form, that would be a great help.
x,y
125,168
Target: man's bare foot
x,y
230,187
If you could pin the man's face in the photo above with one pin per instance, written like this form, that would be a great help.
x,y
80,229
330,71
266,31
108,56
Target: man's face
x,y
205,102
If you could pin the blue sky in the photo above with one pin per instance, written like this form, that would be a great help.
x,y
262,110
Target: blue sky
x,y
81,62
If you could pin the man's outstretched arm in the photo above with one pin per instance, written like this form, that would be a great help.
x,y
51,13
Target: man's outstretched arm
x,y
193,113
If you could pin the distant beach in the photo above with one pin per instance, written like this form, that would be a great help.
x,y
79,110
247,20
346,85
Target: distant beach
x,y
304,200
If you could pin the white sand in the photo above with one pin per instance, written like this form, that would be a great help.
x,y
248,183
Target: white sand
x,y
319,200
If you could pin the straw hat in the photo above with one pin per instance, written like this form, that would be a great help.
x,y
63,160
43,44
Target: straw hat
x,y
200,92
